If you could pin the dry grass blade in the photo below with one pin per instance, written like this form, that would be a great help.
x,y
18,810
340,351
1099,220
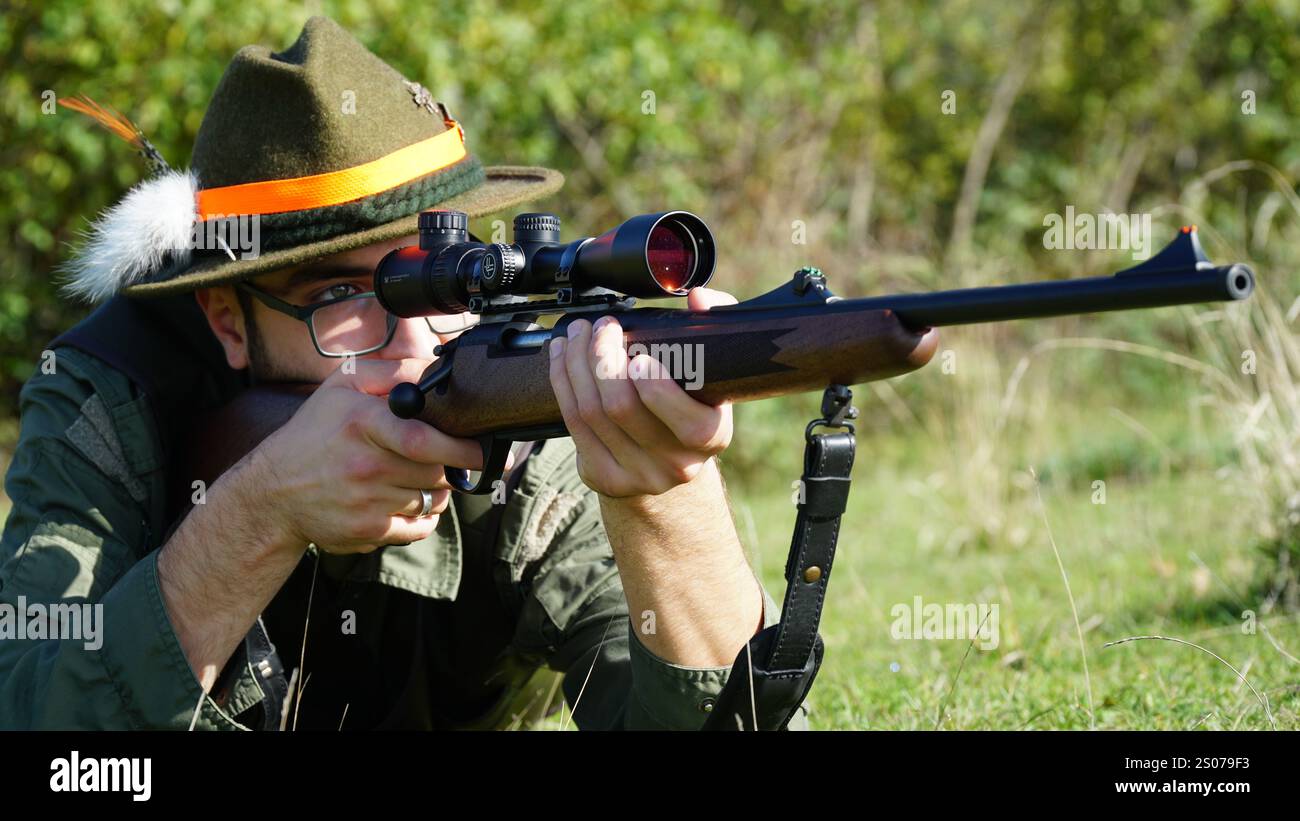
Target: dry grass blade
x,y
583,688
1268,634
1087,676
306,623
1202,720
1118,346
550,695
527,712
288,700
1263,702
1039,715
1263,626
943,708
198,708
753,707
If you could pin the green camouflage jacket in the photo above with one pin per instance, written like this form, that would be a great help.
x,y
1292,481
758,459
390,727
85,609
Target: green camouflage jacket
x,y
484,624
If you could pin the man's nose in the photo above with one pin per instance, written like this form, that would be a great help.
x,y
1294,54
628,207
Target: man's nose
x,y
412,339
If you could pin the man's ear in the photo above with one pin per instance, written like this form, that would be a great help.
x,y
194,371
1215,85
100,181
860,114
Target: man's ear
x,y
225,315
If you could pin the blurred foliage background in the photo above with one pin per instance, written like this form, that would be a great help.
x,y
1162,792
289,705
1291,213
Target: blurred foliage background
x,y
763,113
816,132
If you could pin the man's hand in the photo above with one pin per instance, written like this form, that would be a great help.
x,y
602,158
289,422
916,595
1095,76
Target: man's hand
x,y
343,473
646,447
346,474
636,430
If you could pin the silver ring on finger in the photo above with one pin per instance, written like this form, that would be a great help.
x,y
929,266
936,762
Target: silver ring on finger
x,y
426,504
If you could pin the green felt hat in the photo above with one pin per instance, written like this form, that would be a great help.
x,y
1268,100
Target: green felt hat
x,y
325,145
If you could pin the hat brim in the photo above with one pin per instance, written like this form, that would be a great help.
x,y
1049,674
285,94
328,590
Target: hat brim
x,y
505,186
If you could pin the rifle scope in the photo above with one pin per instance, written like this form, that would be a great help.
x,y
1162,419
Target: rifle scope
x,y
651,255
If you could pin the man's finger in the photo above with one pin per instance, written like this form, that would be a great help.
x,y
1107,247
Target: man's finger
x,y
702,299
375,376
415,503
582,380
696,425
622,404
405,501
418,442
399,472
407,529
586,441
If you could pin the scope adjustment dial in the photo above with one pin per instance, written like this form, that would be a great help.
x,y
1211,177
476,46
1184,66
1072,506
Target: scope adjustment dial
x,y
500,266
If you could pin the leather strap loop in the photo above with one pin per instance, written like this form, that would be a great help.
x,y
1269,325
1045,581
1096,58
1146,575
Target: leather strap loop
x,y
825,498
828,460
782,661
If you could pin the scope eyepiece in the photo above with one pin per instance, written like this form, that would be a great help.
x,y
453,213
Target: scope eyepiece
x,y
651,255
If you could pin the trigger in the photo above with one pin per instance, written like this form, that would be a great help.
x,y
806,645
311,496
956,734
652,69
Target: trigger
x,y
495,452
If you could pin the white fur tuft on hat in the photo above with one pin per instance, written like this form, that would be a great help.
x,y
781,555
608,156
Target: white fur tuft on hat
x,y
150,228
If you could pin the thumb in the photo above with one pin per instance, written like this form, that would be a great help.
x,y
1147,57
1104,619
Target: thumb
x,y
702,299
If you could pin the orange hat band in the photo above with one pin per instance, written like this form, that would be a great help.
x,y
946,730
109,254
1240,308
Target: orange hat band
x,y
336,187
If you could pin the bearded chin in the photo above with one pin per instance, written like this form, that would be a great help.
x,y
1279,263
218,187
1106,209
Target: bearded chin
x,y
262,367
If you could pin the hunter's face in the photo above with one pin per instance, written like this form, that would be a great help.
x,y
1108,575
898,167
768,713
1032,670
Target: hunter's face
x,y
279,347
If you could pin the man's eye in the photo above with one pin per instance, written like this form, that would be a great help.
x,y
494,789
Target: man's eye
x,y
339,291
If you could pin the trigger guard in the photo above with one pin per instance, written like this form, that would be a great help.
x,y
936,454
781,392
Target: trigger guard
x,y
495,452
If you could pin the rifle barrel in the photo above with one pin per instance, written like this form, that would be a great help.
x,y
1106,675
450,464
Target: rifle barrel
x,y
1119,292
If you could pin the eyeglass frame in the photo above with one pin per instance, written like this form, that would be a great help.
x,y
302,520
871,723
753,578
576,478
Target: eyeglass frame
x,y
303,313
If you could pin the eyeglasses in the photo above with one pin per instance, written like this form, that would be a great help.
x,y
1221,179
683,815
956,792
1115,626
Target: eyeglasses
x,y
356,324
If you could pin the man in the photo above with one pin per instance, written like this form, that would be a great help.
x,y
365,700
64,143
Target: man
x,y
337,539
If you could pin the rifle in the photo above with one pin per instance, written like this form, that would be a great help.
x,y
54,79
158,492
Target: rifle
x,y
492,381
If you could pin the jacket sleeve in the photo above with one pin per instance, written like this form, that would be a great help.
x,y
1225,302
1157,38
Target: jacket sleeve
x,y
77,539
575,617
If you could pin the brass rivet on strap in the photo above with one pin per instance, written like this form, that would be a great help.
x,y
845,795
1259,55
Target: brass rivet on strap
x,y
706,705
812,574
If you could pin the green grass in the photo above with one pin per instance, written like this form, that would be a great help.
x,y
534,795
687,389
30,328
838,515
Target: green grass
x,y
1170,553
1133,570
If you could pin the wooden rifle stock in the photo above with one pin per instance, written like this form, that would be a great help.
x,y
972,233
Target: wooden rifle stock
x,y
500,383
499,378
227,434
